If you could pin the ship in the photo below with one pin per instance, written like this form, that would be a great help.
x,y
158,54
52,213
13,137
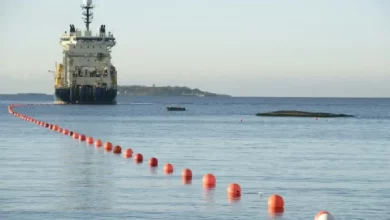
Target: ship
x,y
86,74
173,108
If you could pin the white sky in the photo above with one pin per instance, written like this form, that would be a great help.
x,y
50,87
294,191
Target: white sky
x,y
243,48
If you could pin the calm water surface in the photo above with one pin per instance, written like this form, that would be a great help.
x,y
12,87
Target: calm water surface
x,y
342,165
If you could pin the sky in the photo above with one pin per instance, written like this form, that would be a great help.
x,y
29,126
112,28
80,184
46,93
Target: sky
x,y
302,48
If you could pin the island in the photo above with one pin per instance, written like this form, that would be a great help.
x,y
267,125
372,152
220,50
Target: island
x,y
302,114
138,90
27,94
32,94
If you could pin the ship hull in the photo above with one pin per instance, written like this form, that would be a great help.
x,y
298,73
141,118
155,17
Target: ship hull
x,y
85,95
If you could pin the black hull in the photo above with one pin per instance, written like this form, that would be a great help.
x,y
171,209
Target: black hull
x,y
85,95
176,109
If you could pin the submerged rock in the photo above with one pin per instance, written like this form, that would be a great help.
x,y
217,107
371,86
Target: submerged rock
x,y
302,114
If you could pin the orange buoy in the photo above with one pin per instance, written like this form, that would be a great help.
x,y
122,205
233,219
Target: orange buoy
x,y
82,137
209,180
108,146
98,143
89,140
128,153
186,174
65,131
234,190
60,130
138,158
275,201
323,215
153,162
168,168
75,135
117,149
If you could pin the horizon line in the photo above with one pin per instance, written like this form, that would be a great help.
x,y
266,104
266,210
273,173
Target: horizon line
x,y
222,96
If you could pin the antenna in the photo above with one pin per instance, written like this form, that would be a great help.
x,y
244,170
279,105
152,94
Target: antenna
x,y
87,7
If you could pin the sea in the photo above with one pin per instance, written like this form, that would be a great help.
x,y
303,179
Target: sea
x,y
341,165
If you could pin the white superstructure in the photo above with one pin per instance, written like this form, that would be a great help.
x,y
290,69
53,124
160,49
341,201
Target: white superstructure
x,y
86,56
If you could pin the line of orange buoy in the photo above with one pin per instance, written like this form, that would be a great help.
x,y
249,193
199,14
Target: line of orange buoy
x,y
153,162
128,153
168,168
275,202
138,158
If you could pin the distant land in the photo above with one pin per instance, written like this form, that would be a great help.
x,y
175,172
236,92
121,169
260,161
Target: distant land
x,y
138,90
32,94
27,94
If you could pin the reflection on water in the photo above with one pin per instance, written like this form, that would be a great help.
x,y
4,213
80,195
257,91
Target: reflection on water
x,y
208,187
233,199
209,195
138,162
153,170
186,180
275,213
81,187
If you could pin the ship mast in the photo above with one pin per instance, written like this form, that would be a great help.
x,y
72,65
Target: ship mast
x,y
87,7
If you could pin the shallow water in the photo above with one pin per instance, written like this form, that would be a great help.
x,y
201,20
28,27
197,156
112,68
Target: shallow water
x,y
339,164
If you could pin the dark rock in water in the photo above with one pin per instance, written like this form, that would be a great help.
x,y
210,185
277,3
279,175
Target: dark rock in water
x,y
169,108
302,114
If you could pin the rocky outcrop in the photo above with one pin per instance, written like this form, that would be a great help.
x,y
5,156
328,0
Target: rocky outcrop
x,y
302,114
